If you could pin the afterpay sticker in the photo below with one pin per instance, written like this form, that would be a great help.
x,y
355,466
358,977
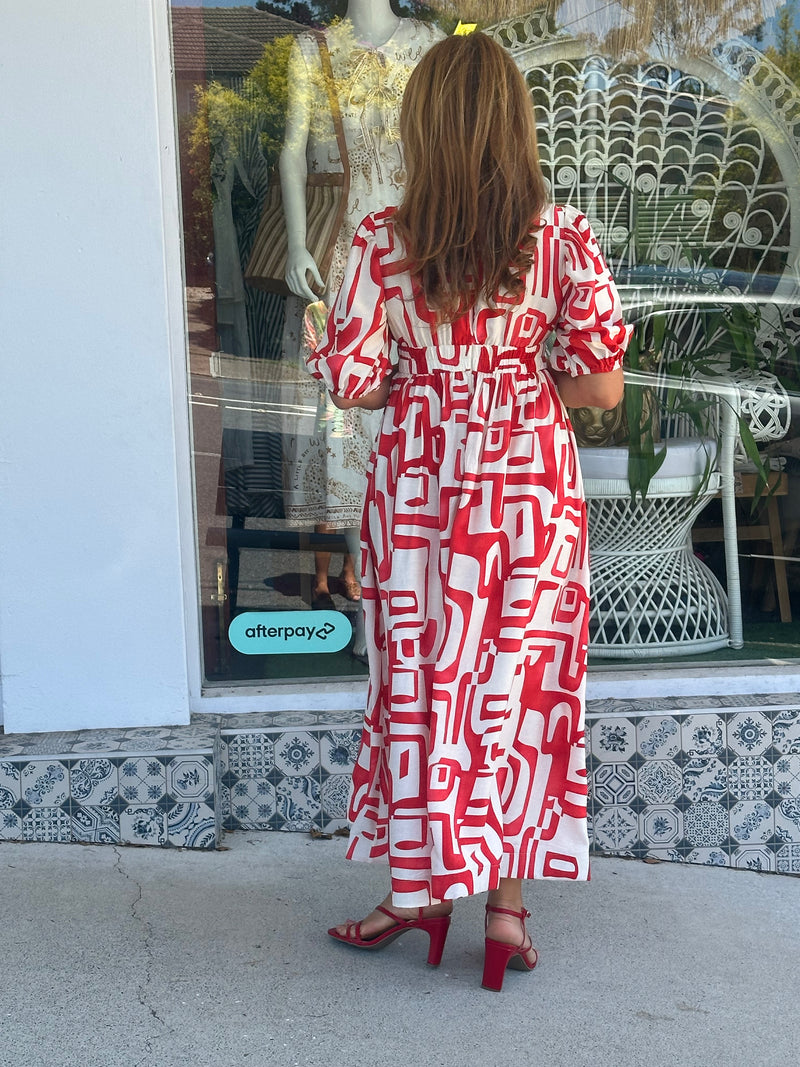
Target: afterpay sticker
x,y
260,633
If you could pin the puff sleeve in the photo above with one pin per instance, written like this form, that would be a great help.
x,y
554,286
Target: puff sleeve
x,y
590,334
353,356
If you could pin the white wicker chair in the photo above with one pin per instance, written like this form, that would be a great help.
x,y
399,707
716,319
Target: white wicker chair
x,y
689,166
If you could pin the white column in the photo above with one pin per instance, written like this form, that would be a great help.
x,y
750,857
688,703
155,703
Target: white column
x,y
93,425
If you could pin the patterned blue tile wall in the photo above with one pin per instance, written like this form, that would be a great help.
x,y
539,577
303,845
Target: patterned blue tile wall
x,y
287,771
716,782
131,787
711,781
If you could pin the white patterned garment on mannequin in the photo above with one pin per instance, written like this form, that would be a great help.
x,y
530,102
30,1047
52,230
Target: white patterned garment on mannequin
x,y
325,459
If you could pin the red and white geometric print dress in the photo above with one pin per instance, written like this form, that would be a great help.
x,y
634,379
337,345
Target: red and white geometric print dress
x,y
475,571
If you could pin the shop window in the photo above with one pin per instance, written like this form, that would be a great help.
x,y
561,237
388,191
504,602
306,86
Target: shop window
x,y
683,152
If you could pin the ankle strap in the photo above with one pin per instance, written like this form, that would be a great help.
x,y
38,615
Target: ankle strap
x,y
507,911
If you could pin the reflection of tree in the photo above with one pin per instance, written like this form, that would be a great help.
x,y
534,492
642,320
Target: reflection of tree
x,y
321,11
665,27
267,88
786,53
621,27
234,140
196,200
245,126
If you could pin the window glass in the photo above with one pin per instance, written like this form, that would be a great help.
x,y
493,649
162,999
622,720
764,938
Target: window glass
x,y
678,138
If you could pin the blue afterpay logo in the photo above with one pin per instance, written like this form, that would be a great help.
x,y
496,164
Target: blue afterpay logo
x,y
260,633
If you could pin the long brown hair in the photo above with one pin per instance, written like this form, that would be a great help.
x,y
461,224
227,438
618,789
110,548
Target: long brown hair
x,y
474,187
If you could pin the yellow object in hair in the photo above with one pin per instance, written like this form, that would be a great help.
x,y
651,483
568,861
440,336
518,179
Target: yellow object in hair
x,y
463,28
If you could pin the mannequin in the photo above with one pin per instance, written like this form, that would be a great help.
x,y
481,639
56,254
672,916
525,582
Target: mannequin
x,y
373,52
373,22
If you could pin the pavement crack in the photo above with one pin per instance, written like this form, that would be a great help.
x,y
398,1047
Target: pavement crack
x,y
143,987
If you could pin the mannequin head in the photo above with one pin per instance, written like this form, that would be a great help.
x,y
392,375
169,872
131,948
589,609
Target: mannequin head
x,y
351,7
474,186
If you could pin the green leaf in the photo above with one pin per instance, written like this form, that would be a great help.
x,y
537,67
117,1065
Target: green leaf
x,y
751,449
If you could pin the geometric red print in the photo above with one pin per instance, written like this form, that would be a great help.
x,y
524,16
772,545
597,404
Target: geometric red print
x,y
475,572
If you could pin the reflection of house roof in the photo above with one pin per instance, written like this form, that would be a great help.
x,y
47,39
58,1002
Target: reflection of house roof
x,y
223,40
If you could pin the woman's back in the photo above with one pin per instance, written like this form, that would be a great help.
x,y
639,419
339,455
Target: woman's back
x,y
567,290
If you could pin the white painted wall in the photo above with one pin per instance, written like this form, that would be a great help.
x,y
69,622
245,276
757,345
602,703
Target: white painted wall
x,y
92,621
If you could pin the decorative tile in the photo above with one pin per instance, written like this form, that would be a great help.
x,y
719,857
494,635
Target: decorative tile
x,y
143,745
661,825
338,750
252,803
46,824
786,776
660,781
787,820
196,737
664,774
224,805
249,755
753,858
344,718
44,784
752,821
706,824
704,779
142,780
616,828
47,745
787,859
10,825
96,741
750,777
246,722
709,857
613,740
749,733
658,737
666,855
221,759
153,735
296,754
297,801
190,778
10,785
93,782
702,736
143,826
283,719
11,746
335,796
95,825
614,783
192,826
786,731
218,823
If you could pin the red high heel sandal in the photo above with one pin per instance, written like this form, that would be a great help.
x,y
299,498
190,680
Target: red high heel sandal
x,y
500,955
435,926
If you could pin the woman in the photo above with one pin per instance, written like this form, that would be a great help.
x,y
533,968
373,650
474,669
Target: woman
x,y
471,773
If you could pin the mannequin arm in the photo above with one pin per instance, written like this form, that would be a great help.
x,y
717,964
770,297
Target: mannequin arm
x,y
293,172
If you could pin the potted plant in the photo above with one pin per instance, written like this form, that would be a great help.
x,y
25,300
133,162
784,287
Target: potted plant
x,y
679,366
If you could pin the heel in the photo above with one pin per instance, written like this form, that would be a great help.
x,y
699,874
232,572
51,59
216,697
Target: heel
x,y
436,928
500,954
495,962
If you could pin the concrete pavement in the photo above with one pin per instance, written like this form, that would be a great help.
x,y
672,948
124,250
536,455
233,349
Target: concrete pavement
x,y
156,958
